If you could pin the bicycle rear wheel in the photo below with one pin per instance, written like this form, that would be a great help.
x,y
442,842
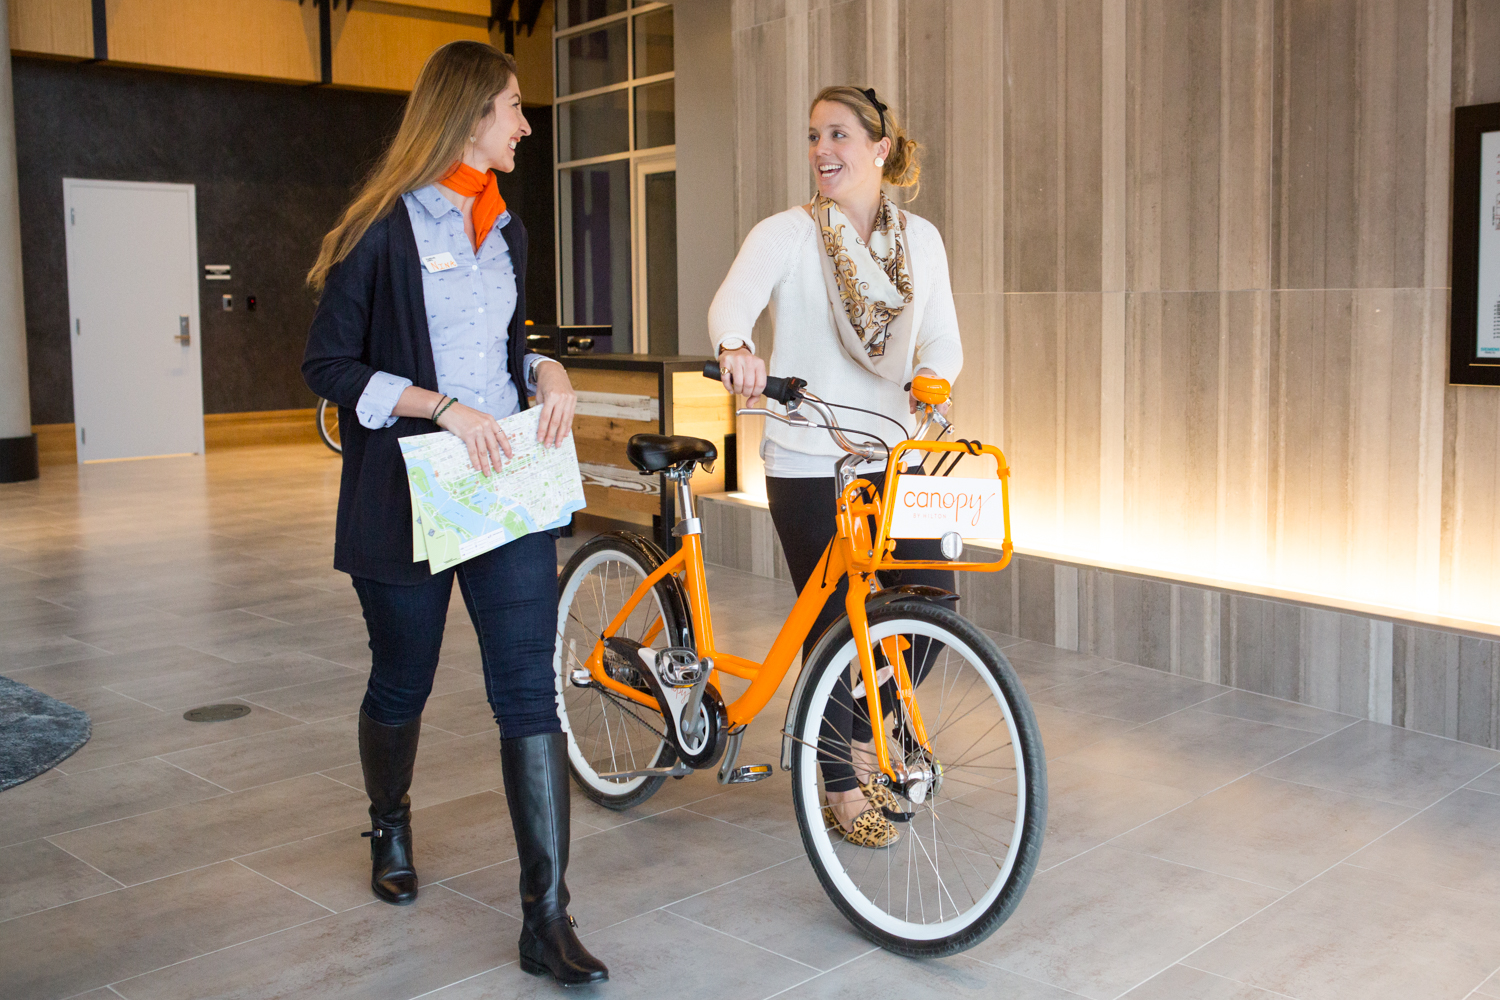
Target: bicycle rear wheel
x,y
328,425
968,850
607,733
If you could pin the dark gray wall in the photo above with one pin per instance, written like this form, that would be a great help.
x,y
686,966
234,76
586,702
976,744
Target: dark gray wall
x,y
273,166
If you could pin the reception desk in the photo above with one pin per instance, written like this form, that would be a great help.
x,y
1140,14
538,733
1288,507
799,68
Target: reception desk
x,y
620,395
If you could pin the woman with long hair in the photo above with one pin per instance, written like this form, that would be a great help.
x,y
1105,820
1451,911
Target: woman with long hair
x,y
420,325
861,302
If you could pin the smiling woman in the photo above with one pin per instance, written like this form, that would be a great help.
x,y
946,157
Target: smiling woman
x,y
421,323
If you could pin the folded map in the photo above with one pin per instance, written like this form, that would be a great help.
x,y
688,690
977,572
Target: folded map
x,y
458,512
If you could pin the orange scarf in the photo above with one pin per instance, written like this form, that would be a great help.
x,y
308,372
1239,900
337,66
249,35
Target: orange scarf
x,y
484,188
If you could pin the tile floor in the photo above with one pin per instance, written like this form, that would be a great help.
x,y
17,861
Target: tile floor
x,y
1203,844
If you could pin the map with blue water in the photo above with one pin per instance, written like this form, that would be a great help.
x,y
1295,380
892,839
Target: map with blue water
x,y
458,512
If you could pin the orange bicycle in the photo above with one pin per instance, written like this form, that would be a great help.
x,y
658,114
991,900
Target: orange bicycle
x,y
640,678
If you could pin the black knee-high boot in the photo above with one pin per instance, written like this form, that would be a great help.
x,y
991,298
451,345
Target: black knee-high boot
x,y
536,789
388,754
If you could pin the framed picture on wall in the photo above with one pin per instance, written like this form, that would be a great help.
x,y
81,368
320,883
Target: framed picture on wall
x,y
1474,319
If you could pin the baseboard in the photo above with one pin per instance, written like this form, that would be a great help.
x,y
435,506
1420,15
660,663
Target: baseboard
x,y
57,444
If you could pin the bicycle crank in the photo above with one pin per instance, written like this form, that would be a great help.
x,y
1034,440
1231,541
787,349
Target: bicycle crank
x,y
695,719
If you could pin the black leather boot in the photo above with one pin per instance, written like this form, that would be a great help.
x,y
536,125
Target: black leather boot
x,y
388,754
536,790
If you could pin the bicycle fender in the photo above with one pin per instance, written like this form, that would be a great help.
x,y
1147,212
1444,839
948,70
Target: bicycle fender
x,y
652,555
910,591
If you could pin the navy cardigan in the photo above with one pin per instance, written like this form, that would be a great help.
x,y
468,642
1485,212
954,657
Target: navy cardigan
x,y
371,317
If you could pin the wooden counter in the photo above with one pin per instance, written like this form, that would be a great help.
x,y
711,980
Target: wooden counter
x,y
624,394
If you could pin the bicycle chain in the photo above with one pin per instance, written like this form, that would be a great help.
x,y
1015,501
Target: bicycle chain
x,y
624,706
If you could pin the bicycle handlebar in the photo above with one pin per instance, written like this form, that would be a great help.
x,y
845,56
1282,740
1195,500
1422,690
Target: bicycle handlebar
x,y
783,390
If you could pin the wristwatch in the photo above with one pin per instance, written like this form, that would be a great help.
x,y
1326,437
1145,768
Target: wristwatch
x,y
535,363
731,344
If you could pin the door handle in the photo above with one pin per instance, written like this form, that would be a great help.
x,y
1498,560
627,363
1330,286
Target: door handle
x,y
183,336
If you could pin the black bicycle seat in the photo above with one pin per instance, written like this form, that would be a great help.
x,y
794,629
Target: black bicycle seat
x,y
658,452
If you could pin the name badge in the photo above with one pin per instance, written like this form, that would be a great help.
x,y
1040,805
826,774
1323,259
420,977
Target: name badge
x,y
439,262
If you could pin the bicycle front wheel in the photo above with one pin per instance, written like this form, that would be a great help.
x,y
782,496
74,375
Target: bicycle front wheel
x,y
969,848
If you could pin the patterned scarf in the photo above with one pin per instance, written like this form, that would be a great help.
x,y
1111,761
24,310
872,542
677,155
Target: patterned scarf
x,y
869,286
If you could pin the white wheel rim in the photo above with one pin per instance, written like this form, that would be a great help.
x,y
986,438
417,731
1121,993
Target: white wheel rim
x,y
811,804
562,664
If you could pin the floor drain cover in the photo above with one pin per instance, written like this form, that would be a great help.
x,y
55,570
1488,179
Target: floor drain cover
x,y
216,713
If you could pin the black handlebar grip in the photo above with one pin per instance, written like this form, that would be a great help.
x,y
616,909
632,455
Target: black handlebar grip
x,y
783,390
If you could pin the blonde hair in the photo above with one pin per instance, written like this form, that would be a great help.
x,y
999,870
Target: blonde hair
x,y
902,164
455,91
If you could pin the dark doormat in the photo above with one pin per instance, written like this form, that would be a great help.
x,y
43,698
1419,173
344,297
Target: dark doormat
x,y
36,732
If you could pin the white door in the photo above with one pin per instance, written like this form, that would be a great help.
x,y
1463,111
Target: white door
x,y
133,299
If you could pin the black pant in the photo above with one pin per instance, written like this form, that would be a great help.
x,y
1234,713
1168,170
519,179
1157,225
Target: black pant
x,y
803,511
511,594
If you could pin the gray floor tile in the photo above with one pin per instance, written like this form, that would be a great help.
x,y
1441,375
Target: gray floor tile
x,y
120,668
1260,708
181,837
880,974
1353,933
304,606
1491,987
40,876
765,807
376,951
1192,750
808,928
54,802
104,705
342,695
1064,731
1106,921
1041,666
1455,842
651,957
463,713
201,684
1130,693
150,736
1085,808
1183,983
1489,781
131,931
1273,832
631,869
21,653
252,644
284,753
1383,762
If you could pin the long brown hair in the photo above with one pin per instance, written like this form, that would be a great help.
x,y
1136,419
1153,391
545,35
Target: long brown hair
x,y
455,91
902,165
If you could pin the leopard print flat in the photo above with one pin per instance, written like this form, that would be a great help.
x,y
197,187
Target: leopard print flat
x,y
870,829
880,797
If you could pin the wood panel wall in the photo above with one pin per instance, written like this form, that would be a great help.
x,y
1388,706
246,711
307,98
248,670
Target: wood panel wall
x,y
376,46
1199,250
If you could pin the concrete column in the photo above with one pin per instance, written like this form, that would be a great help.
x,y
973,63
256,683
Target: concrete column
x,y
17,442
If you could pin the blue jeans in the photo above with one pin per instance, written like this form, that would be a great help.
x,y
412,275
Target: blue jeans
x,y
511,594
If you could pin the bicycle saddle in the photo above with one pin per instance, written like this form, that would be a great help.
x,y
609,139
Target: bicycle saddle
x,y
658,452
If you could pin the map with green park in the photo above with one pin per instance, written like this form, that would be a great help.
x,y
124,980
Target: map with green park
x,y
459,512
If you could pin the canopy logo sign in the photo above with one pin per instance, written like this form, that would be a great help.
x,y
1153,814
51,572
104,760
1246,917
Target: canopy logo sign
x,y
932,506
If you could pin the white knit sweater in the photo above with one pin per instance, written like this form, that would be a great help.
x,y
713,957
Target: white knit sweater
x,y
779,265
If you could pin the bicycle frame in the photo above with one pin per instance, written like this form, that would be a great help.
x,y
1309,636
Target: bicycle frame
x,y
852,553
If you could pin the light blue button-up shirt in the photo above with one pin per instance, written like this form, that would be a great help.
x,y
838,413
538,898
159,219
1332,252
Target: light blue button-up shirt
x,y
469,309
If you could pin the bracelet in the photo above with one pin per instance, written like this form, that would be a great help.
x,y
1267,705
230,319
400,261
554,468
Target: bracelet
x,y
439,403
439,413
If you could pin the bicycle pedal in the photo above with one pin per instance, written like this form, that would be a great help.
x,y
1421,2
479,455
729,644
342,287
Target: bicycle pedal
x,y
749,773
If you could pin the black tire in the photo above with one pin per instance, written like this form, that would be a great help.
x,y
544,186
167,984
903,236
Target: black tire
x,y
625,560
328,425
964,787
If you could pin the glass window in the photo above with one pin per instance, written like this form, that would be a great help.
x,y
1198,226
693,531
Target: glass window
x,y
593,126
594,226
653,43
661,261
571,12
592,59
655,124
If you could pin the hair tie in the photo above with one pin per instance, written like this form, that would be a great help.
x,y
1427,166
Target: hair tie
x,y
880,109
